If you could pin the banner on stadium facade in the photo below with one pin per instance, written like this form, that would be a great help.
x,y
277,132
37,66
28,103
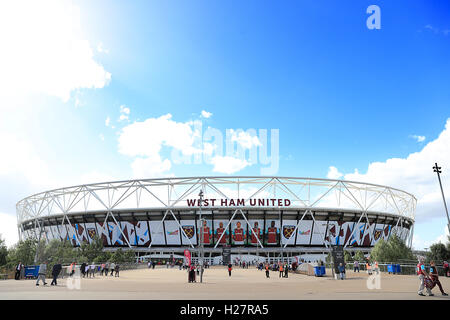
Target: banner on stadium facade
x,y
187,256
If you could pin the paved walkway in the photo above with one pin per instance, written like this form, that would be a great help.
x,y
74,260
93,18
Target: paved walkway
x,y
162,283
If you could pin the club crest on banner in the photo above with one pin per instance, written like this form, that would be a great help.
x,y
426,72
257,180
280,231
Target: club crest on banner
x,y
377,234
287,231
91,232
189,231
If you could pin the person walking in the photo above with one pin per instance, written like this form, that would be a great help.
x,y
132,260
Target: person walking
x,y
355,266
435,278
281,270
41,273
446,269
423,275
267,271
72,269
230,267
92,270
369,268
18,271
83,269
286,270
113,266
106,268
116,269
102,268
341,269
56,270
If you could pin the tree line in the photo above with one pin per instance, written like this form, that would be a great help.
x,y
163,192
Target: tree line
x,y
31,252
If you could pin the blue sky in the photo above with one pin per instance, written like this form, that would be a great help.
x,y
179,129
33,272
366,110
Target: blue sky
x,y
340,94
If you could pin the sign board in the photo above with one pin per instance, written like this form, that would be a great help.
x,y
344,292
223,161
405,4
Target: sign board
x,y
226,255
187,256
337,255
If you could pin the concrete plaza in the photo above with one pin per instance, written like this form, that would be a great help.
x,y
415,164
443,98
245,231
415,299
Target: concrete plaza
x,y
244,284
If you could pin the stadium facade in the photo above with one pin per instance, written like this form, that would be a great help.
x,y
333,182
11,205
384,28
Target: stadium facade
x,y
262,216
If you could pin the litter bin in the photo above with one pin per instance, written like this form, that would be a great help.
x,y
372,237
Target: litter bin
x,y
398,269
319,271
31,272
390,268
322,270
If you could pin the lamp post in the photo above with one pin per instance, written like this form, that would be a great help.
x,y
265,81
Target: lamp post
x,y
438,171
201,235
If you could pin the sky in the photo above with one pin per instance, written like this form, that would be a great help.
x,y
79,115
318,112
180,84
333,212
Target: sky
x,y
94,91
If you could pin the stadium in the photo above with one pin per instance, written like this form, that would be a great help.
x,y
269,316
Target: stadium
x,y
262,218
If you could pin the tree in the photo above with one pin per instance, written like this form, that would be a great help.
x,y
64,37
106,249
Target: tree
x,y
3,252
91,250
438,252
348,256
23,251
359,256
118,256
392,250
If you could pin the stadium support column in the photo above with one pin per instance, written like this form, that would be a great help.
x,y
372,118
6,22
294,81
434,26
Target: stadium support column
x,y
201,236
438,171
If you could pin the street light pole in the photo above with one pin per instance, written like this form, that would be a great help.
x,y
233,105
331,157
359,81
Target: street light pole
x,y
201,235
438,171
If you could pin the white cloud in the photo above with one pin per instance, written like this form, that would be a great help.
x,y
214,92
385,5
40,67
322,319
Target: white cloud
x,y
206,114
124,113
148,137
20,158
414,174
151,167
245,139
419,138
333,173
228,165
101,136
101,48
124,110
8,229
44,50
107,121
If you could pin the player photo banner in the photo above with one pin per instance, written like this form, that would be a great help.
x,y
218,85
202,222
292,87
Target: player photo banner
x,y
272,232
207,234
257,234
219,229
238,231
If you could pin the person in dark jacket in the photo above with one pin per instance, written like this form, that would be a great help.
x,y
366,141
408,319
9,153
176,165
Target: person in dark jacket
x,y
435,278
18,271
83,269
55,273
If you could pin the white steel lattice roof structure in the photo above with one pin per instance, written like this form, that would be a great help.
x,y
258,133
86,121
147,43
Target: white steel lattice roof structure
x,y
305,195
172,193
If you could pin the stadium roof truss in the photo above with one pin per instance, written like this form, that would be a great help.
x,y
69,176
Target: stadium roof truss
x,y
167,195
